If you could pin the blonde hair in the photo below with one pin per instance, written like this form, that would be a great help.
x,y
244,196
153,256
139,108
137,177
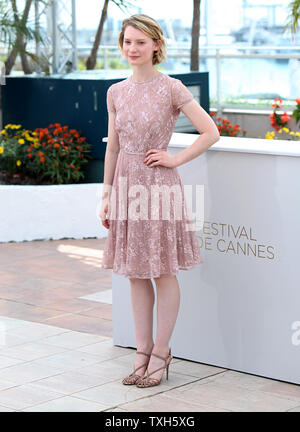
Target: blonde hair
x,y
151,28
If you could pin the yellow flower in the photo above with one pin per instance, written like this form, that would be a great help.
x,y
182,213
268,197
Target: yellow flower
x,y
7,126
292,133
1,150
280,131
285,129
36,144
269,135
3,132
21,141
297,133
17,126
19,162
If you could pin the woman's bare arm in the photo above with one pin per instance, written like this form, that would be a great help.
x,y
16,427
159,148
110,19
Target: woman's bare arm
x,y
111,155
206,127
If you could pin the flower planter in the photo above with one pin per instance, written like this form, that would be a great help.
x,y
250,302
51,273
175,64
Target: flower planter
x,y
50,212
256,122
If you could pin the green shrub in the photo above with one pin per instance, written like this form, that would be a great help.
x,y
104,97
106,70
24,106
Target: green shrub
x,y
56,153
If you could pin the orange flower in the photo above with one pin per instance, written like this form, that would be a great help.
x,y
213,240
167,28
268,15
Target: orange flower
x,y
42,159
56,145
298,101
285,117
277,102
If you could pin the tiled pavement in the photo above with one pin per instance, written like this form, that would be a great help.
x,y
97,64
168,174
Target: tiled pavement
x,y
56,351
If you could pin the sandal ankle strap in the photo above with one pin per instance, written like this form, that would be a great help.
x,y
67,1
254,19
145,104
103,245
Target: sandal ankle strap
x,y
160,357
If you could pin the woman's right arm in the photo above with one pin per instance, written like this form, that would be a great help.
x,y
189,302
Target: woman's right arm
x,y
110,161
111,154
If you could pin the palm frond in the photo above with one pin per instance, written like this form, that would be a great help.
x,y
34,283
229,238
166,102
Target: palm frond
x,y
292,22
10,26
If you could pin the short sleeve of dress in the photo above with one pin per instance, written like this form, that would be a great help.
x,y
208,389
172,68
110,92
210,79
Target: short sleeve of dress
x,y
180,94
110,101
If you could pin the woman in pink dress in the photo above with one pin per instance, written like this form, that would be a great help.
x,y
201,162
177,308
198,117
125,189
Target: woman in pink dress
x,y
142,243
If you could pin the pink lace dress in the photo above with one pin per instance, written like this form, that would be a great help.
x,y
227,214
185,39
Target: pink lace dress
x,y
143,242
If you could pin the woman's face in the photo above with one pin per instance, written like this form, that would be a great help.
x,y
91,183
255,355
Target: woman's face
x,y
137,46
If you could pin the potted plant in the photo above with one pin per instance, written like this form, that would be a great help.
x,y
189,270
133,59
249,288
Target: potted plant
x,y
225,127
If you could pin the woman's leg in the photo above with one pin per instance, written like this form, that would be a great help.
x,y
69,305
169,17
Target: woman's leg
x,y
142,299
168,301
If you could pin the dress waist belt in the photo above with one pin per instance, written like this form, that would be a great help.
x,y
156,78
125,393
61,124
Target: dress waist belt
x,y
130,152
